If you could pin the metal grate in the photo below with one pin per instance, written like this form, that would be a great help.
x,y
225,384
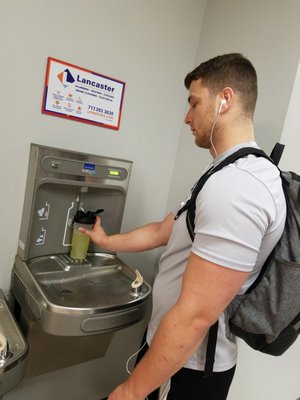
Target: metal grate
x,y
18,289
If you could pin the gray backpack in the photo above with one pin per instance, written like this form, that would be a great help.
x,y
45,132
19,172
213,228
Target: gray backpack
x,y
267,316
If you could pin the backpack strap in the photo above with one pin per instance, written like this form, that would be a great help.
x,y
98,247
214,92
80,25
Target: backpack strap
x,y
190,206
276,153
211,350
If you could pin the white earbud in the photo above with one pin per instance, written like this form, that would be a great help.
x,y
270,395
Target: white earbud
x,y
223,101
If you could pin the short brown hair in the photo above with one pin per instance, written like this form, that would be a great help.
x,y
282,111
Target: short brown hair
x,y
232,70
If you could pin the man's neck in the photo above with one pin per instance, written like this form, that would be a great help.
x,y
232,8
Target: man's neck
x,y
226,138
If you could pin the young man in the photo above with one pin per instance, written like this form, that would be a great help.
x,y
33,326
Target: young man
x,y
240,214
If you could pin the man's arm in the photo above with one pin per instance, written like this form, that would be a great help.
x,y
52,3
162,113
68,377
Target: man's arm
x,y
207,289
146,237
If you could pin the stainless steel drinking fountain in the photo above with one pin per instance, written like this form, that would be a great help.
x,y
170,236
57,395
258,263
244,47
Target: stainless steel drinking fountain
x,y
62,303
13,349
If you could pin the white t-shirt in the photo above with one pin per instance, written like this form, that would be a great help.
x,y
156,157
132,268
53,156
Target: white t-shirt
x,y
240,215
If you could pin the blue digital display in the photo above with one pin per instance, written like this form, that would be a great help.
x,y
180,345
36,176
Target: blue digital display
x,y
90,167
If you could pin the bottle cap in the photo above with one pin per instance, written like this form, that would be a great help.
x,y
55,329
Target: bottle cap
x,y
88,217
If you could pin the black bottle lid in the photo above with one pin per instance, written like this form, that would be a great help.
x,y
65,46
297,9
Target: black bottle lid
x,y
86,217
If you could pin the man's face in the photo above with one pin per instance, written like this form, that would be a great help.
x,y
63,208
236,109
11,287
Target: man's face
x,y
201,113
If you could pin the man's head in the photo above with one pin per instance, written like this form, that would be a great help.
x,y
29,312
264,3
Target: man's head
x,y
228,70
222,98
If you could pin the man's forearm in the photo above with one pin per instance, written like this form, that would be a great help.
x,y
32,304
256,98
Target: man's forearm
x,y
140,239
147,237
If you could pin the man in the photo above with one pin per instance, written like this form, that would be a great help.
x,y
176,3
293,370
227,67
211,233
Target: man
x,y
240,214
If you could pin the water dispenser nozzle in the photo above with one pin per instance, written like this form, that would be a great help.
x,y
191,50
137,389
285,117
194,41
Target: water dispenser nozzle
x,y
137,283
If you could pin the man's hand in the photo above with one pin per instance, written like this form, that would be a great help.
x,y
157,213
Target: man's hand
x,y
97,234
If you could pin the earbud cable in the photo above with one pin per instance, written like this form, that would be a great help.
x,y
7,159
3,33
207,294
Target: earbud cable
x,y
129,359
211,134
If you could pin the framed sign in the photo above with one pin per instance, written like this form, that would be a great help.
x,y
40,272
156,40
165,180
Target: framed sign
x,y
82,95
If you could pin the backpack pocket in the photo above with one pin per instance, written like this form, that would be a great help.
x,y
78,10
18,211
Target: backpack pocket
x,y
266,317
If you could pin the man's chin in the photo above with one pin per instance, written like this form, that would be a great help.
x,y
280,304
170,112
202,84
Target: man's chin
x,y
202,144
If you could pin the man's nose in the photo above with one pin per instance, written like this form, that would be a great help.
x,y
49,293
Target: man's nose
x,y
188,119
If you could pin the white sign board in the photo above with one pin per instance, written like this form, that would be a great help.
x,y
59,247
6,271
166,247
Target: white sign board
x,y
79,94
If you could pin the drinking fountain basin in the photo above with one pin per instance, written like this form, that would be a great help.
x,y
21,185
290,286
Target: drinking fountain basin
x,y
72,298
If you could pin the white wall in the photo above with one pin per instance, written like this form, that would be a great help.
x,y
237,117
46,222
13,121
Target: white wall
x,y
291,130
149,45
267,32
